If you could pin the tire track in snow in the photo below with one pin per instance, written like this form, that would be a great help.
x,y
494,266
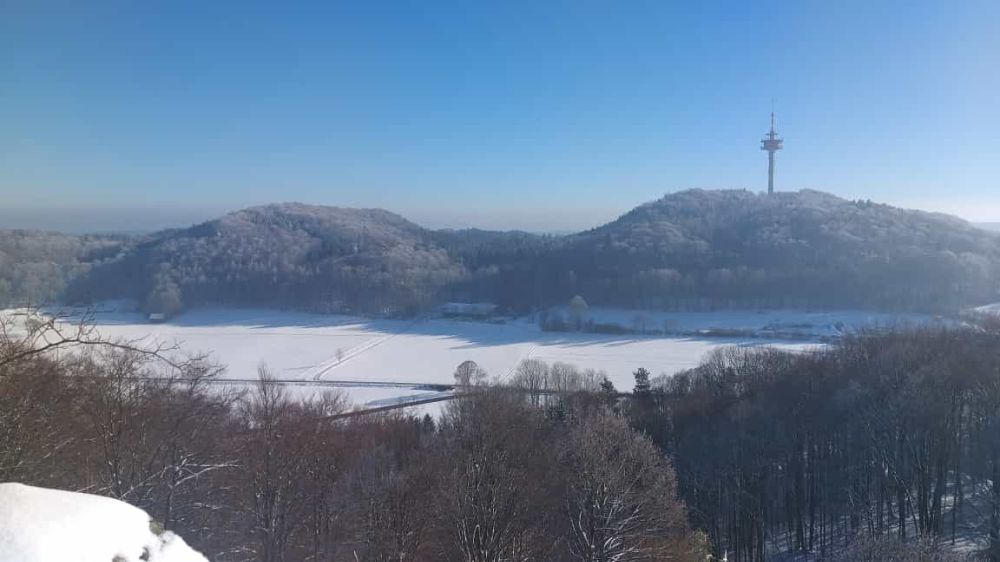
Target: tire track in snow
x,y
323,367
326,366
526,356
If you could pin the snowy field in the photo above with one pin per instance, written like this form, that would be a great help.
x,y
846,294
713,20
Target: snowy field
x,y
309,347
377,362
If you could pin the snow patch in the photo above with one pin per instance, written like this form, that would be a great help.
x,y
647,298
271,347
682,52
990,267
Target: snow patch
x,y
44,525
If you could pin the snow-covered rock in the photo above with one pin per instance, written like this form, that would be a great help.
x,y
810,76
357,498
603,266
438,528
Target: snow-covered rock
x,y
43,525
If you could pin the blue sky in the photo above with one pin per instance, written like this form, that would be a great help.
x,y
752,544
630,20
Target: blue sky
x,y
540,115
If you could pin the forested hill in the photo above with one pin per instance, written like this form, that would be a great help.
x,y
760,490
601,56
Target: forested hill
x,y
694,249
803,248
322,258
35,266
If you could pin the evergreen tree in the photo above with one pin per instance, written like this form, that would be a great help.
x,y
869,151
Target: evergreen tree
x,y
642,386
609,393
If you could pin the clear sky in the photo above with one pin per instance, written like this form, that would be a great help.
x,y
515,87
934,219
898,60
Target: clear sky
x,y
539,115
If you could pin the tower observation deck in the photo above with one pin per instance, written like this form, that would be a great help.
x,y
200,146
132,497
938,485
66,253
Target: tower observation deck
x,y
771,143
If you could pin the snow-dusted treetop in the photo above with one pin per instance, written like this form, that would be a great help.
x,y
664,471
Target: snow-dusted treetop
x,y
42,525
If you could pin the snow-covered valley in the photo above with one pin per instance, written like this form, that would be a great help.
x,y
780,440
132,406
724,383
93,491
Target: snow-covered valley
x,y
377,361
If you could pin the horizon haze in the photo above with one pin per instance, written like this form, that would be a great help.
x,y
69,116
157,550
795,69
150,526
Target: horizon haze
x,y
147,219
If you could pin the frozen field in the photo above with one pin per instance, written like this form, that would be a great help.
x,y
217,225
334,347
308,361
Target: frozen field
x,y
308,347
377,362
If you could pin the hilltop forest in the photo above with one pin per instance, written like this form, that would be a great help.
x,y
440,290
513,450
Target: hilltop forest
x,y
691,250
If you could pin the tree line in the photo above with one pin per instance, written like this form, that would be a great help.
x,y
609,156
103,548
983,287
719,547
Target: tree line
x,y
888,436
37,267
262,475
883,446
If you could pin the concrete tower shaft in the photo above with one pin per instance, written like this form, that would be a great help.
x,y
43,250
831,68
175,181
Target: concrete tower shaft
x,y
771,143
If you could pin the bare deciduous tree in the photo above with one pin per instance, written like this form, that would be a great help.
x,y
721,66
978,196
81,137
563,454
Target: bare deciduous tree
x,y
469,373
490,492
621,496
29,332
531,376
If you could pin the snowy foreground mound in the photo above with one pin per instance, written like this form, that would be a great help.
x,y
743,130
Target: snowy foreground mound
x,y
42,525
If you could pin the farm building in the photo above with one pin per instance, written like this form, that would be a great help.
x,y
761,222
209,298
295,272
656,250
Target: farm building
x,y
468,309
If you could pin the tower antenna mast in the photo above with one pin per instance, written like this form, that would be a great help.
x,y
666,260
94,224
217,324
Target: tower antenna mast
x,y
771,143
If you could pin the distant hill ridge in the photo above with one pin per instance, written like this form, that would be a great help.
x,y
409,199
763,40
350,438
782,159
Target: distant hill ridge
x,y
804,248
694,249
